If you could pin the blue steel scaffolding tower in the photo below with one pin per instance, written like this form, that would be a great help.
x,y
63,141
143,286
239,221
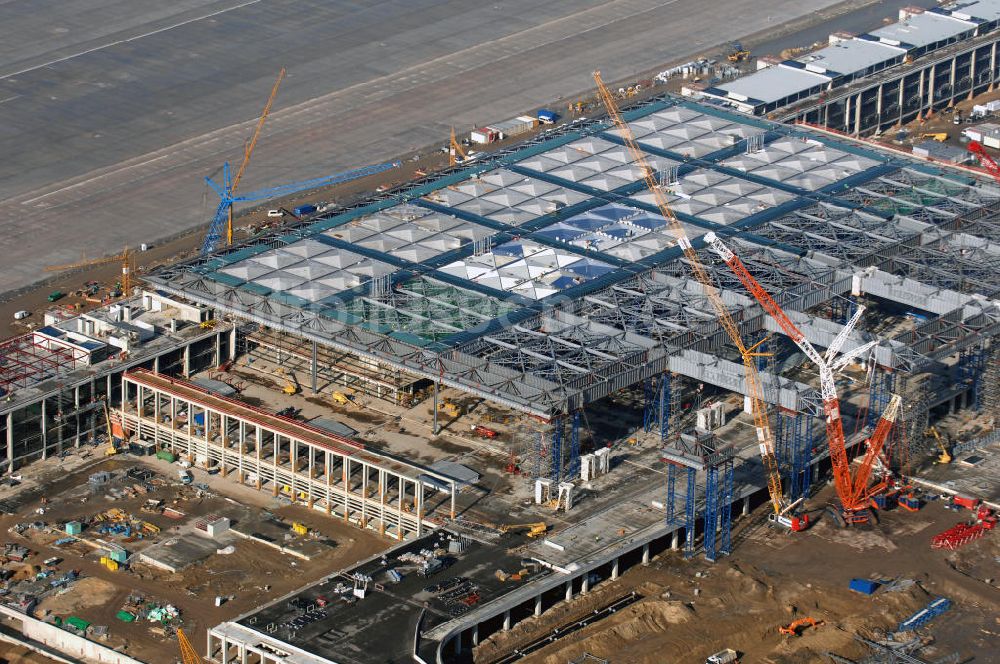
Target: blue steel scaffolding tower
x,y
802,445
970,367
882,388
657,410
573,465
719,509
689,504
700,452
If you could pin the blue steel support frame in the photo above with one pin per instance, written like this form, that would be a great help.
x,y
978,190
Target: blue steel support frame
x,y
971,364
657,405
802,444
574,448
711,511
689,513
555,472
882,388
539,454
783,426
726,529
671,493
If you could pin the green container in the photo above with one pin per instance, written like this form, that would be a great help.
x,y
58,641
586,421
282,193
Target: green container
x,y
79,623
166,455
119,556
125,616
74,528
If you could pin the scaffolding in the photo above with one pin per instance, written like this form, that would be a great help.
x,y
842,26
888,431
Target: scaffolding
x,y
970,368
31,358
700,452
326,368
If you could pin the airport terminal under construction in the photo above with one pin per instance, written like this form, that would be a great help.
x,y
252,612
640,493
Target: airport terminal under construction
x,y
532,320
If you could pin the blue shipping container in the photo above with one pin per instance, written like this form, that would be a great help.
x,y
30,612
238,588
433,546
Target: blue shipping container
x,y
303,210
199,418
864,586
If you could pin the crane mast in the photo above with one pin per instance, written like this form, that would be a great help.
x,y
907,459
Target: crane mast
x,y
765,438
852,492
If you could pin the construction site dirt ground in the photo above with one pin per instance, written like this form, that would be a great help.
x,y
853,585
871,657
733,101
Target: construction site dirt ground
x,y
691,608
253,574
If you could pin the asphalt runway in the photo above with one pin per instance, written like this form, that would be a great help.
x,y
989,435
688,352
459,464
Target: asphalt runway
x,y
112,113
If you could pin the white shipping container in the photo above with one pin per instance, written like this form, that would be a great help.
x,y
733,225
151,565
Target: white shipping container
x,y
992,106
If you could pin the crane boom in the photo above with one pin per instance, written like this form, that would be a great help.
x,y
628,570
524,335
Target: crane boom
x,y
188,654
831,403
876,442
765,438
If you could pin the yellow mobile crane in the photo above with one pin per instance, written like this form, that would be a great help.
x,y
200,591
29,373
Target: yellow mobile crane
x,y
945,456
765,438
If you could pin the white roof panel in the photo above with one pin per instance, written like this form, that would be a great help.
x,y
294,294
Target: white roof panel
x,y
850,56
773,84
922,29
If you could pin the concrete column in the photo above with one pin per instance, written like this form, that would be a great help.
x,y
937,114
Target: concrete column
x,y
746,506
218,349
458,643
538,605
569,590
232,343
475,633
435,428
675,540
10,440
45,430
585,583
186,368
313,367
857,116
156,364
224,655
930,90
506,620
243,650
878,105
972,74
954,67
615,568
645,554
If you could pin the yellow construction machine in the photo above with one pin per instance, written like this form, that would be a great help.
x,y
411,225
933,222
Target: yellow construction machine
x,y
737,53
188,654
534,529
939,137
945,455
450,408
291,385
343,399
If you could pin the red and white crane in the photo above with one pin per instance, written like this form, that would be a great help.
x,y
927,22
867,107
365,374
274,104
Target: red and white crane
x,y
853,493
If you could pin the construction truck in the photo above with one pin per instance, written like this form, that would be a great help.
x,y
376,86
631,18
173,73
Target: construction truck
x,y
534,529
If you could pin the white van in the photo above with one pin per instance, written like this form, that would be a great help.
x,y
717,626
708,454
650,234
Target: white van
x,y
20,315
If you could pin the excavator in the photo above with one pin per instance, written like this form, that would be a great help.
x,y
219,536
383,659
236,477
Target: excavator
x,y
343,399
795,627
291,386
534,529
945,456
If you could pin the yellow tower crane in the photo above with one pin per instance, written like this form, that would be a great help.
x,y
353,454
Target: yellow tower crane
x,y
188,654
765,438
127,258
455,150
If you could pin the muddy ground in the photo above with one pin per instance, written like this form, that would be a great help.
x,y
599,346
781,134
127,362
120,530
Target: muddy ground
x,y
691,608
252,575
